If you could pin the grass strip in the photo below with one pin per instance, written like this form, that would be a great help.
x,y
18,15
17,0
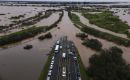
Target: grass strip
x,y
84,76
44,72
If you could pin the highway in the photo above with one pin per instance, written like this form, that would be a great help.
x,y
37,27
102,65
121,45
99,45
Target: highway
x,y
64,64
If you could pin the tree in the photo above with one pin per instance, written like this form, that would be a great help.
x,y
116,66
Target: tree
x,y
109,65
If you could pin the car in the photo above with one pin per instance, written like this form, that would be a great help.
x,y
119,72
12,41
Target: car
x,y
64,71
48,78
71,53
63,55
75,58
53,58
51,66
60,47
57,48
52,63
58,42
49,73
79,78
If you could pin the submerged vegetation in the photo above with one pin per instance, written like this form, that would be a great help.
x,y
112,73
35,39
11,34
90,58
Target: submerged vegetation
x,y
28,21
17,17
48,36
93,44
81,35
55,23
21,35
2,14
27,33
118,40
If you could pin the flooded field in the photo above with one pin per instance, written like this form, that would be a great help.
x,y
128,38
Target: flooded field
x,y
86,21
123,13
17,63
14,11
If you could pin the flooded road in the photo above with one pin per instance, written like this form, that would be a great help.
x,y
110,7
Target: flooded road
x,y
19,64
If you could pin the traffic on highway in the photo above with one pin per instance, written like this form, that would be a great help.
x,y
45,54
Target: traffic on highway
x,y
64,64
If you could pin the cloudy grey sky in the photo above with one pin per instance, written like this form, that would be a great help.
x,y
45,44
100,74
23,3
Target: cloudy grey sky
x,y
75,0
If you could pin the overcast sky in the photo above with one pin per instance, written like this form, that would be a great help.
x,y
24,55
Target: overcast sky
x,y
75,0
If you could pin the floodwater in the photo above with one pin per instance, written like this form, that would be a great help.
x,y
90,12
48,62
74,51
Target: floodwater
x,y
19,64
123,13
48,21
28,11
105,43
15,11
44,22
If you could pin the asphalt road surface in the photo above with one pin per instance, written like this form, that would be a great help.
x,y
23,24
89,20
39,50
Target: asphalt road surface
x,y
64,64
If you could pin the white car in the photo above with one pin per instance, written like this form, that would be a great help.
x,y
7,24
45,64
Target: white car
x,y
49,73
64,72
53,58
48,78
51,66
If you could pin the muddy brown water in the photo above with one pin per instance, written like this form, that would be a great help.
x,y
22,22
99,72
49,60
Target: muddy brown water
x,y
124,16
105,43
19,64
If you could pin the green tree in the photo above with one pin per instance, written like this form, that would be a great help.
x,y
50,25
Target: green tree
x,y
109,65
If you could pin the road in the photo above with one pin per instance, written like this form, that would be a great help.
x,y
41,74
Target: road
x,y
64,64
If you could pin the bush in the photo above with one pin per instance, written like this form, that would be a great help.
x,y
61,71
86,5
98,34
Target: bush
x,y
48,35
109,37
81,35
93,43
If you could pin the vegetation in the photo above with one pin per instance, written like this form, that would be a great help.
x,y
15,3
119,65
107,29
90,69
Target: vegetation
x,y
55,23
109,65
84,76
107,20
81,35
80,9
44,72
2,14
27,33
18,36
28,21
107,36
75,19
97,33
17,17
48,36
93,44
